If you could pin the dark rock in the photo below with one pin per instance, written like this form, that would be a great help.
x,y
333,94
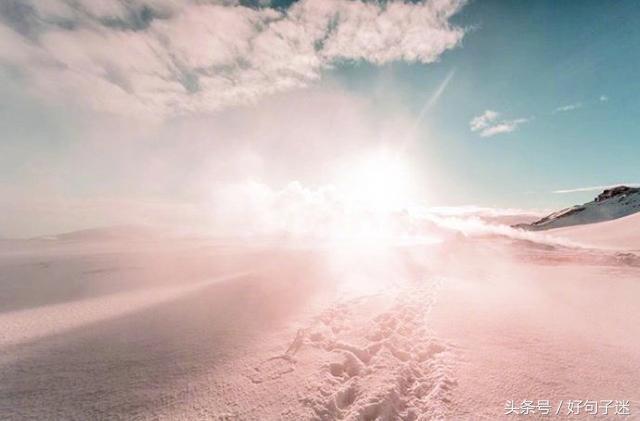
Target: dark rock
x,y
616,191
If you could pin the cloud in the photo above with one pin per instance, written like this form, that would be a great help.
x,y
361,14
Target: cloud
x,y
506,126
177,165
569,107
488,124
473,226
172,57
484,212
298,210
483,121
595,188
578,105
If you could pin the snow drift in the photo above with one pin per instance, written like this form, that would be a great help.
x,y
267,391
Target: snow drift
x,y
622,233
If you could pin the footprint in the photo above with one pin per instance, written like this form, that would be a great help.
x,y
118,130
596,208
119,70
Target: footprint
x,y
346,397
272,369
382,364
346,364
429,351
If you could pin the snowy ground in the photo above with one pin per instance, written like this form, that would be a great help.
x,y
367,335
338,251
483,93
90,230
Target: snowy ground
x,y
617,234
199,330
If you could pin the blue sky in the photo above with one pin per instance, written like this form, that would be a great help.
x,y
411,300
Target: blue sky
x,y
528,60
90,126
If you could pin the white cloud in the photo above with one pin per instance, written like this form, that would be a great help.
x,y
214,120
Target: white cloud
x,y
569,107
506,126
488,124
483,120
179,164
578,105
175,56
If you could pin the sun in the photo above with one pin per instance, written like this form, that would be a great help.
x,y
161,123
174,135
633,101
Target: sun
x,y
378,182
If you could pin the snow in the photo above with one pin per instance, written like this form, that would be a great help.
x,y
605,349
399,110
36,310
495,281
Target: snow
x,y
200,329
621,234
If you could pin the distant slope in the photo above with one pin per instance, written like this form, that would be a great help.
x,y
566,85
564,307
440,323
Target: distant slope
x,y
622,233
120,232
611,204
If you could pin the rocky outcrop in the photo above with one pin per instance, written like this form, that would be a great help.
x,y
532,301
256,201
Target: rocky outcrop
x,y
620,191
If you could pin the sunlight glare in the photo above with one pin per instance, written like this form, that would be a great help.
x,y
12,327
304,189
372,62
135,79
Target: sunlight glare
x,y
379,183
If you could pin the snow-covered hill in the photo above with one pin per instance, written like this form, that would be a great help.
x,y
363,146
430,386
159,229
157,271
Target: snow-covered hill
x,y
611,204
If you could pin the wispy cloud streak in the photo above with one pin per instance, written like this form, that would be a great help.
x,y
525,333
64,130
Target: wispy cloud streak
x,y
570,107
488,124
594,188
